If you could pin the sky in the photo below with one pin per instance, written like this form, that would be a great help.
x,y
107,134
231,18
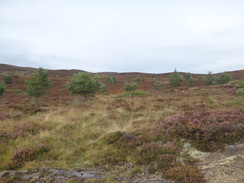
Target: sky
x,y
151,36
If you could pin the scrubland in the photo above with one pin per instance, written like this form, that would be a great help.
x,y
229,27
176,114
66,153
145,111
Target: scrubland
x,y
119,136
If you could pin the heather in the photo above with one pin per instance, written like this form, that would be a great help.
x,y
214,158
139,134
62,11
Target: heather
x,y
127,133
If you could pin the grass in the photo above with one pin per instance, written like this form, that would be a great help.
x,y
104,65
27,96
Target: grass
x,y
127,136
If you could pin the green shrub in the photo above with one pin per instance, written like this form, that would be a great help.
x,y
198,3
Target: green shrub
x,y
240,87
84,84
7,79
224,78
240,91
111,80
38,83
190,82
2,88
175,79
158,85
129,87
189,79
138,79
143,79
209,80
240,84
103,88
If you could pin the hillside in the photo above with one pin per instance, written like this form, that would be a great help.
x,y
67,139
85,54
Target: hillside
x,y
13,70
186,134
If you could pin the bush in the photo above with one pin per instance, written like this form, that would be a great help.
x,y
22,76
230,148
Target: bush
x,y
129,87
158,85
189,79
209,80
175,79
103,88
84,84
202,129
185,174
224,78
240,91
138,79
240,84
111,80
240,87
7,79
38,83
21,155
2,88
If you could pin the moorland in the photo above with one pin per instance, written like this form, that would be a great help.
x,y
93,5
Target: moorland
x,y
187,133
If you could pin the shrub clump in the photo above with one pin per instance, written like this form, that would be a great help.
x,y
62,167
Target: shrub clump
x,y
84,84
240,87
209,80
38,83
175,79
189,79
111,80
224,78
203,129
185,174
7,79
2,89
24,154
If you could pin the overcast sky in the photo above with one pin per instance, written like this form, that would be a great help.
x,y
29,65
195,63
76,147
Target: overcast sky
x,y
153,36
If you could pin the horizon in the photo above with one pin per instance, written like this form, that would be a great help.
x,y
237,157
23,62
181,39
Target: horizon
x,y
122,72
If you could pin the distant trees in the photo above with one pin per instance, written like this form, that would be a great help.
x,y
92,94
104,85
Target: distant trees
x,y
130,87
111,80
175,79
189,79
84,84
103,89
38,83
7,79
224,78
2,88
209,80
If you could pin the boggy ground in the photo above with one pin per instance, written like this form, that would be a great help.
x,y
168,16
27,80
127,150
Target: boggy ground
x,y
166,136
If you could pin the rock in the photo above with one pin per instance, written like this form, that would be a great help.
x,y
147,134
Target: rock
x,y
51,175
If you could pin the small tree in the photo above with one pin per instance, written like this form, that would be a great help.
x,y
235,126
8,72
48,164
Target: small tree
x,y
224,78
38,83
84,84
111,80
189,79
7,79
130,87
209,80
138,79
2,88
188,75
175,79
103,88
